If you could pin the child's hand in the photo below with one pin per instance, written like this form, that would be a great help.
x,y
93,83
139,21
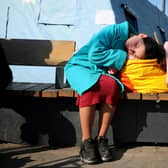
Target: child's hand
x,y
112,71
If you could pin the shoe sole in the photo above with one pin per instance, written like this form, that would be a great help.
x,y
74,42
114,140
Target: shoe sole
x,y
106,159
89,161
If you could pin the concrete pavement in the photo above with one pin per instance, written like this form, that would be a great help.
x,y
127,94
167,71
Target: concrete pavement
x,y
23,156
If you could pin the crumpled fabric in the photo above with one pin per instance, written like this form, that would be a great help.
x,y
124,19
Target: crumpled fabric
x,y
144,76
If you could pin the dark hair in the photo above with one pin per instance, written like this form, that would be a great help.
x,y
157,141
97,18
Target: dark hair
x,y
153,49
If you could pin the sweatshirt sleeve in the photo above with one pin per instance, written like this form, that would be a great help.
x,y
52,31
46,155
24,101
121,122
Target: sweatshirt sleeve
x,y
107,47
109,58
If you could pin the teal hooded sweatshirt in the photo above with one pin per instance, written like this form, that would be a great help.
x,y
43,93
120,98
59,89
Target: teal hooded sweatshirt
x,y
105,49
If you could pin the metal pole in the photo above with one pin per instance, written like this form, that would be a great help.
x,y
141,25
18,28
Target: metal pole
x,y
163,5
7,21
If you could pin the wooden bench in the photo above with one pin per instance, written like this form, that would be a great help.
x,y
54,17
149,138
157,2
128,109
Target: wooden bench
x,y
39,53
139,118
19,104
50,53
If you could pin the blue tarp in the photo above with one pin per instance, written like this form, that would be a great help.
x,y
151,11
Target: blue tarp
x,y
57,12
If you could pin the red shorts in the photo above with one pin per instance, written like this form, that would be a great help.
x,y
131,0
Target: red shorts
x,y
106,90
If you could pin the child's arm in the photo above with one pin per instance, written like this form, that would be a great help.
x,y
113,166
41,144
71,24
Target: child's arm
x,y
166,60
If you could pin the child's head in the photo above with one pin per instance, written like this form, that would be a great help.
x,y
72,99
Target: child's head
x,y
153,49
143,47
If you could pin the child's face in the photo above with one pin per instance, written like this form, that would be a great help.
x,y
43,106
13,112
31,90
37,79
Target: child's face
x,y
136,47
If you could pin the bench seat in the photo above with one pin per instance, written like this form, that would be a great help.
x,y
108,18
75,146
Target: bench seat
x,y
49,91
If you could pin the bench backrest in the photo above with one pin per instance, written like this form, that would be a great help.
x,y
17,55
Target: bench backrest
x,y
39,53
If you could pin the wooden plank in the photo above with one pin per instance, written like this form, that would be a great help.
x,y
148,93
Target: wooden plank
x,y
61,52
17,88
37,52
50,92
163,96
26,89
150,96
36,89
66,92
133,96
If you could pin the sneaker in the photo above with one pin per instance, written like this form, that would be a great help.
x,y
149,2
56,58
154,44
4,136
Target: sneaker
x,y
88,152
104,150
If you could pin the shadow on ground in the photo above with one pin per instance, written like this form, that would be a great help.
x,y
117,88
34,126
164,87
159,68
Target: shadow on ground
x,y
28,157
22,156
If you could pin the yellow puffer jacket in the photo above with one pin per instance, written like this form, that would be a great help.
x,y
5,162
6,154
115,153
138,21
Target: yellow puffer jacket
x,y
144,76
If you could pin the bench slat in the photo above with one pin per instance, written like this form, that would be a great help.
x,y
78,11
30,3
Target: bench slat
x,y
66,92
26,89
148,96
133,96
17,88
52,92
36,89
49,91
163,96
